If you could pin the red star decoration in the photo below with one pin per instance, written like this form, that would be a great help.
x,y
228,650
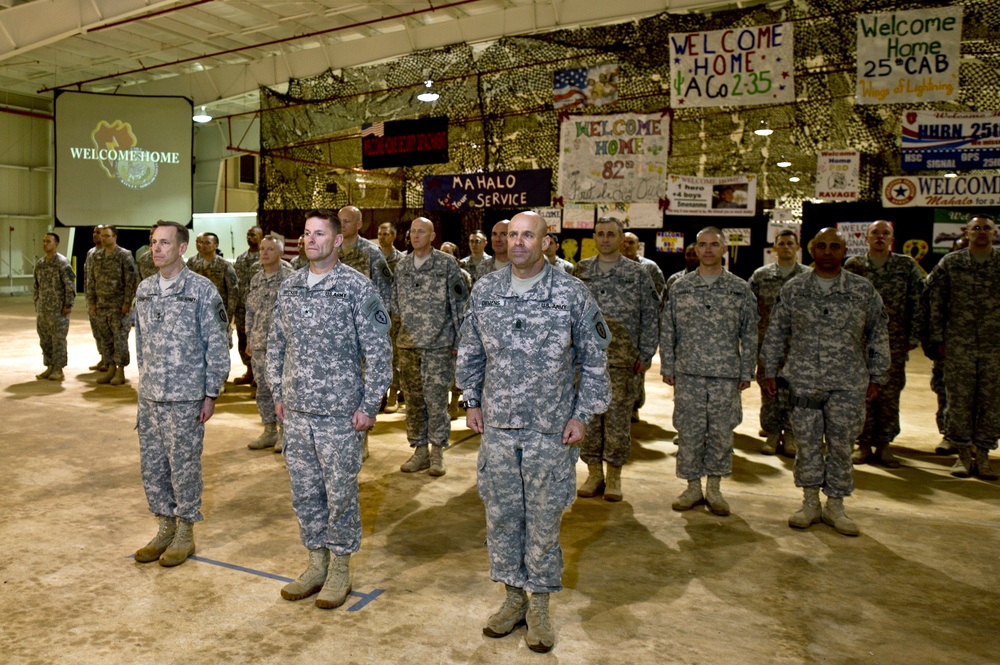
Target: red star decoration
x,y
784,75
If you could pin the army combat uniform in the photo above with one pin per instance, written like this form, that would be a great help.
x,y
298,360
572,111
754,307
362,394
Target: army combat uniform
x,y
54,289
468,266
900,285
429,303
766,283
707,333
183,358
367,259
629,304
223,275
520,355
486,266
247,265
828,346
111,284
262,293
563,265
320,337
145,265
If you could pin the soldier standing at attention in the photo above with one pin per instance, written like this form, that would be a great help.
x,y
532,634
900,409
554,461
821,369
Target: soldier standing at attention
x,y
428,300
691,263
766,283
477,245
102,364
54,292
963,325
263,292
144,262
550,250
183,360
386,242
628,301
328,364
707,336
111,285
897,279
630,250
529,331
220,272
247,265
828,338
362,254
499,260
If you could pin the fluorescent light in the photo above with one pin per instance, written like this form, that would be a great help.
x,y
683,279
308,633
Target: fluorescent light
x,y
763,129
794,178
201,116
428,95
784,163
950,175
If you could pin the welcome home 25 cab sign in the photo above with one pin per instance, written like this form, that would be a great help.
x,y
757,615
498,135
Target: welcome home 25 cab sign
x,y
404,143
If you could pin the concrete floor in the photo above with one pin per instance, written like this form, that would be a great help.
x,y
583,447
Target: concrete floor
x,y
643,584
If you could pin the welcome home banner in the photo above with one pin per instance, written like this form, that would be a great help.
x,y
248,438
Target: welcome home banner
x,y
955,141
909,56
961,191
731,196
404,143
735,67
613,157
504,189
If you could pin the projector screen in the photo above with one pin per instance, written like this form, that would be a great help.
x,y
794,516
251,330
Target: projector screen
x,y
122,159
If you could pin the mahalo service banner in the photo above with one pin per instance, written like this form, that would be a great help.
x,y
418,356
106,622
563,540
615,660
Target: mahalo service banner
x,y
502,189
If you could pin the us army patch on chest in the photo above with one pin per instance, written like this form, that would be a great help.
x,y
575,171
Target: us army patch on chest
x,y
340,295
555,305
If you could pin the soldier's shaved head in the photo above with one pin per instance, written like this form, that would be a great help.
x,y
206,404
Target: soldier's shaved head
x,y
828,248
525,237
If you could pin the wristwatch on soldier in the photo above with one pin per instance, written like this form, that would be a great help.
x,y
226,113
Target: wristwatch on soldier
x,y
470,404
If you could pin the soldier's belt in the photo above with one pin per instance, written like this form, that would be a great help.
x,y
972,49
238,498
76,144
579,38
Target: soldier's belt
x,y
807,402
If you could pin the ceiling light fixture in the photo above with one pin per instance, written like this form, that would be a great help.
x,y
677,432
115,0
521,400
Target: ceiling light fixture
x,y
950,175
794,178
763,129
202,116
428,95
784,163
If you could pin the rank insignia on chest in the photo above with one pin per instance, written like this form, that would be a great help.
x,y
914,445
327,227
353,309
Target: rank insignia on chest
x,y
518,324
307,312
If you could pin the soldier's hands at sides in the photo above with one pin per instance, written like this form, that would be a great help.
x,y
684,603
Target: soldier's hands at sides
x,y
207,409
474,419
454,352
125,309
66,311
361,422
574,431
743,385
771,387
872,392
640,367
279,410
249,352
669,380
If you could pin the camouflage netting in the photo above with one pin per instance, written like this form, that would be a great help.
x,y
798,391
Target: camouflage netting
x,y
498,100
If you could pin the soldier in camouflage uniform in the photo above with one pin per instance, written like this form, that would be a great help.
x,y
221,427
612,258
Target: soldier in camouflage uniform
x,y
766,283
691,262
499,260
183,360
362,254
263,291
110,288
102,364
630,250
329,361
144,262
247,265
428,300
533,349
54,292
550,250
707,333
477,245
628,301
220,272
897,279
386,239
828,338
963,326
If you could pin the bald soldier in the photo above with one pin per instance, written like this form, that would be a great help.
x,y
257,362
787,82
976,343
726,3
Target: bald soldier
x,y
362,254
428,300
897,279
828,338
532,364
499,260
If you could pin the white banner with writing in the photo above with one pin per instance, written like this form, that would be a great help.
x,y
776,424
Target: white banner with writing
x,y
932,191
733,196
837,175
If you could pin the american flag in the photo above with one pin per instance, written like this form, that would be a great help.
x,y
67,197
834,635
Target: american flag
x,y
569,88
373,129
291,249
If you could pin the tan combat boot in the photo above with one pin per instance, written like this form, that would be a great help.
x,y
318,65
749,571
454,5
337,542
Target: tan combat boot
x,y
419,460
312,579
99,367
810,513
279,445
45,374
713,496
983,467
267,439
453,408
885,456
119,377
594,485
963,465
833,514
57,375
770,446
613,490
540,637
789,445
690,498
391,405
437,461
181,547
160,542
108,375
338,583
862,454
509,616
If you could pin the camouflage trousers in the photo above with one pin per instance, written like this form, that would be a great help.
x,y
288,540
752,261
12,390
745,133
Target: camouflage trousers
x,y
882,413
639,390
526,480
241,336
937,385
972,383
265,399
826,437
112,332
609,435
775,414
393,331
170,445
426,376
93,331
706,411
323,455
53,328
